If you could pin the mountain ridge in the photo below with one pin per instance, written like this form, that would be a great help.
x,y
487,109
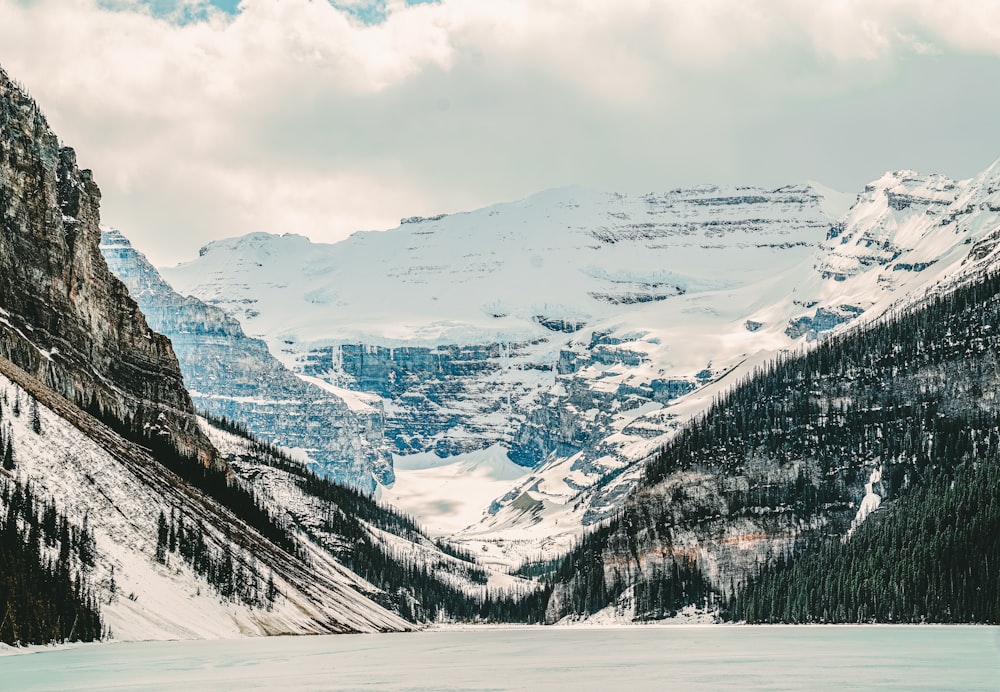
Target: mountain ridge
x,y
64,316
231,376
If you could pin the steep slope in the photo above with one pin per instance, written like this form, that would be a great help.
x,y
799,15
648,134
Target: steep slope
x,y
899,418
232,376
98,429
422,579
63,316
117,490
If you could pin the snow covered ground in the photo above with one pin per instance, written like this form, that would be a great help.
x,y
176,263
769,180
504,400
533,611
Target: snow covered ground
x,y
586,658
120,498
447,495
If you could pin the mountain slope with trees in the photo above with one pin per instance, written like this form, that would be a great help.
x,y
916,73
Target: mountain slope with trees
x,y
98,425
766,492
400,566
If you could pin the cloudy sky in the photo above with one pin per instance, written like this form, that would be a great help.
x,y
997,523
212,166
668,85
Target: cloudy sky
x,y
205,119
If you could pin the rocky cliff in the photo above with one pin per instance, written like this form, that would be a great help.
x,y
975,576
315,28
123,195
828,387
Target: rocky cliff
x,y
94,414
232,375
63,316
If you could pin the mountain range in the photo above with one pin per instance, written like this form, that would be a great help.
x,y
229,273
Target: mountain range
x,y
575,330
128,513
764,405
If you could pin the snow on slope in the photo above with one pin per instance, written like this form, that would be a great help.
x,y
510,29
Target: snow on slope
x,y
280,489
493,275
230,375
120,503
450,496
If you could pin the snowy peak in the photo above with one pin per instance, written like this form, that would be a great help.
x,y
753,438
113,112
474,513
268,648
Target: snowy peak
x,y
977,213
890,218
254,246
564,257
906,187
117,250
908,233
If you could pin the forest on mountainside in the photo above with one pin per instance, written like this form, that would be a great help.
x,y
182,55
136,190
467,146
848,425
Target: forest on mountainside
x,y
414,586
915,395
45,594
930,557
44,591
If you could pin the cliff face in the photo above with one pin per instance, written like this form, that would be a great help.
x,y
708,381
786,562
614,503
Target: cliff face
x,y
232,375
63,316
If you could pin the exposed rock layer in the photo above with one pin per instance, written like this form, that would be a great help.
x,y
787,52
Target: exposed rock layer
x,y
232,375
63,316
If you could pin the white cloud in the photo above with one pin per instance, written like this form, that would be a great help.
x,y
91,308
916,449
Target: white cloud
x,y
295,116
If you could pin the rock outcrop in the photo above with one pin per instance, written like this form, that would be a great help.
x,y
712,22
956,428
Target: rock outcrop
x,y
232,375
63,316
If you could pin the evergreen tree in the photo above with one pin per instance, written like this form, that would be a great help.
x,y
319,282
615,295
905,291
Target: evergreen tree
x,y
42,600
8,454
36,418
162,535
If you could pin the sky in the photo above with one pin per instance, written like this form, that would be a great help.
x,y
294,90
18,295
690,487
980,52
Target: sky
x,y
204,120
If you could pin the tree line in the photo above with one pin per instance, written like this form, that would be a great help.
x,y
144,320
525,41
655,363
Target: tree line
x,y
232,577
44,592
934,556
415,586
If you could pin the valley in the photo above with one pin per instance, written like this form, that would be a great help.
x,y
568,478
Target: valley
x,y
712,404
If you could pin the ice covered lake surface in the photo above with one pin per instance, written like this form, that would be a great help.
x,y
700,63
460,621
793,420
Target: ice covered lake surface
x,y
656,657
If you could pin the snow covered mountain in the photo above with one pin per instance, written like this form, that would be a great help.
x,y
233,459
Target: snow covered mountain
x,y
580,330
337,432
559,326
819,488
908,237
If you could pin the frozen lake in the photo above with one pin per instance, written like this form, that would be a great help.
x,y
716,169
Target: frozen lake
x,y
534,658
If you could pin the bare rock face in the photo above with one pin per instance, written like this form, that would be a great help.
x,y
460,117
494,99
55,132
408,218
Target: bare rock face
x,y
229,374
63,316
